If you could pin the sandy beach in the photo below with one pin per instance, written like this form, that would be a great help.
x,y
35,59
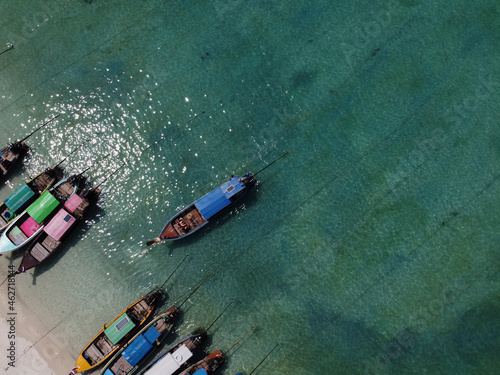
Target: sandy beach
x,y
26,346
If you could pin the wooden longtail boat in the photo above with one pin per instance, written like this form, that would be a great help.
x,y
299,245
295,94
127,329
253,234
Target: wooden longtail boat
x,y
27,193
135,352
177,355
25,227
13,153
57,229
10,156
208,365
199,213
117,333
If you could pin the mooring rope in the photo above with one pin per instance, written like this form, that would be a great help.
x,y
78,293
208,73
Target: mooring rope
x,y
356,298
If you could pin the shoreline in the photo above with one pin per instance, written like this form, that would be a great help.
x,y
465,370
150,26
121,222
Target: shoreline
x,y
35,350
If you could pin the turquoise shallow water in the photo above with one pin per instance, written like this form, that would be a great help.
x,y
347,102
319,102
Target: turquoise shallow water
x,y
371,248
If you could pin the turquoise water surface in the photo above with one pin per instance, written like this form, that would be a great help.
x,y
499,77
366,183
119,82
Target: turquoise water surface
x,y
371,248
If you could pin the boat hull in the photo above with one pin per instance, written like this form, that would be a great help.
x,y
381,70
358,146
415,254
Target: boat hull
x,y
210,364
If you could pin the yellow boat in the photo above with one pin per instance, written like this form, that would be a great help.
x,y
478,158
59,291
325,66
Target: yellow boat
x,y
117,333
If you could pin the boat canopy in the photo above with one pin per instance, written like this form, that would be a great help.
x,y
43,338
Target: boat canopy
x,y
59,224
21,197
220,198
152,334
232,187
170,363
137,350
119,328
140,346
42,207
73,202
29,227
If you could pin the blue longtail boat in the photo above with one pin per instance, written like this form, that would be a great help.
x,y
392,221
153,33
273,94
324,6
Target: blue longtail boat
x,y
202,211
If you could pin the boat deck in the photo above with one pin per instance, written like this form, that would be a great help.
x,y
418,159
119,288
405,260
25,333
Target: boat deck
x,y
3,221
98,350
17,236
64,190
140,310
121,366
210,363
82,207
39,252
192,219
161,325
93,354
8,157
104,345
41,182
42,250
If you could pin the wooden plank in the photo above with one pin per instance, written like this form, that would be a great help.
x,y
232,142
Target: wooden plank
x,y
121,366
105,345
94,354
39,252
49,243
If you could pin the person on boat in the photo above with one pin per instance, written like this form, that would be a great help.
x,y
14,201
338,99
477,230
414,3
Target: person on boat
x,y
183,225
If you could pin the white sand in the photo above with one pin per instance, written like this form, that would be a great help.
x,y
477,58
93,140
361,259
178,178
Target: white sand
x,y
36,352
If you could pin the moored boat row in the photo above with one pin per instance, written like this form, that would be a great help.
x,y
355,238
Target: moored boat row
x,y
27,193
25,227
41,214
116,333
134,353
47,242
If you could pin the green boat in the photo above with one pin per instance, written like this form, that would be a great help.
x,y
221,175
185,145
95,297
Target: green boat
x,y
140,347
26,194
25,227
